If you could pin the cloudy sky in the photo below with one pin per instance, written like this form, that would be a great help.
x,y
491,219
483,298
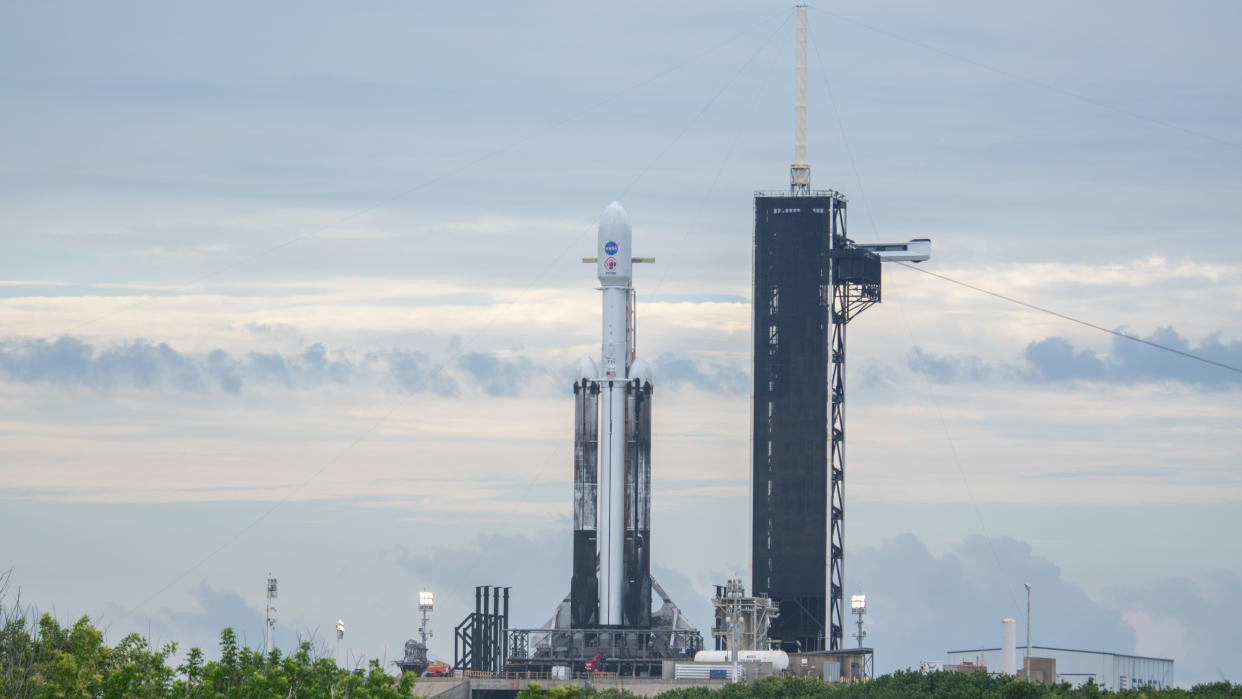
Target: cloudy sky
x,y
295,289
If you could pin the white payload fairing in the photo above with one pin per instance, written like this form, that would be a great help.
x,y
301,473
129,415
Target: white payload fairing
x,y
612,505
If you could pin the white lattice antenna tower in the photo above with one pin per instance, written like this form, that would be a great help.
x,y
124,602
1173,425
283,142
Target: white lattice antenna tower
x,y
271,611
800,171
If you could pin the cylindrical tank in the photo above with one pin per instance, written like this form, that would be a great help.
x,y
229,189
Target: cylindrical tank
x,y
1009,647
637,593
584,586
779,659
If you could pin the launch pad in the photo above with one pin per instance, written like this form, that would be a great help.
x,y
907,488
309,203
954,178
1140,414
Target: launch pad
x,y
630,652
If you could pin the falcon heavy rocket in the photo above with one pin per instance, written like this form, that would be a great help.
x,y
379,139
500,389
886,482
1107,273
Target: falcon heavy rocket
x,y
611,585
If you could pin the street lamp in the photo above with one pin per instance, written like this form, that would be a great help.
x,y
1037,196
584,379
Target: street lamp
x,y
1028,631
340,634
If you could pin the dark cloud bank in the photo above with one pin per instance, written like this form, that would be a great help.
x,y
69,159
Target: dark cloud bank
x,y
146,365
1056,359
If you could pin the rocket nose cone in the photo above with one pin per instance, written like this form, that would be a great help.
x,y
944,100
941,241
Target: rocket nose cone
x,y
615,219
587,369
641,370
613,251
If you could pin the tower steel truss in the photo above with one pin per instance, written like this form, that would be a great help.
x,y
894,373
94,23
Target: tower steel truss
x,y
855,281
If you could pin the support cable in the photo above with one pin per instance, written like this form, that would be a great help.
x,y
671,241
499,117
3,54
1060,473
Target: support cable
x,y
1037,83
434,179
957,461
849,152
944,425
374,425
694,222
1062,316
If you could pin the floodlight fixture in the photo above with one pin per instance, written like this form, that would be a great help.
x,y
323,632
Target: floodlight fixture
x,y
858,604
426,600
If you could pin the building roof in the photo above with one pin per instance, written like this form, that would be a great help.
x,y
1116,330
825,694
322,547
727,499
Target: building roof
x,y
1066,650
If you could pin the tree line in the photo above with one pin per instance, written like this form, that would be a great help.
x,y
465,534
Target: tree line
x,y
900,685
45,660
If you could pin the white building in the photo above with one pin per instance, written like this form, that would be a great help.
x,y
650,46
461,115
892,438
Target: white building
x,y
1112,671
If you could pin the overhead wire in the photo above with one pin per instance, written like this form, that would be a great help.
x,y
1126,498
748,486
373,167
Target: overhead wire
x,y
867,206
1072,319
423,184
708,105
849,152
548,128
1113,332
669,146
376,423
695,220
944,425
1034,81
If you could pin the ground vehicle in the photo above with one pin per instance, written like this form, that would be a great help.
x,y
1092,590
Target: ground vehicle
x,y
438,669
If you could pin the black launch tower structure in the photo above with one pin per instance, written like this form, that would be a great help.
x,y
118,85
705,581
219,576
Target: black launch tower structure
x,y
809,281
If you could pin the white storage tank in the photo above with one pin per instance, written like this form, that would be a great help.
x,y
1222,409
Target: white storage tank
x,y
778,659
1009,647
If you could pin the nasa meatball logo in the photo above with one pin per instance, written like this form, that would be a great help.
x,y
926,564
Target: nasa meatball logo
x,y
610,248
610,265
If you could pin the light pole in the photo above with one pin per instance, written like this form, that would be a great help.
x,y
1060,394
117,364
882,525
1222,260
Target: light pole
x,y
426,603
858,603
340,633
735,592
1028,631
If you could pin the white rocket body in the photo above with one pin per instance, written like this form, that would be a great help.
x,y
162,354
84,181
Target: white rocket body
x,y
615,269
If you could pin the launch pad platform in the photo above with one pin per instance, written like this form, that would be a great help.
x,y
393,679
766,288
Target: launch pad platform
x,y
626,652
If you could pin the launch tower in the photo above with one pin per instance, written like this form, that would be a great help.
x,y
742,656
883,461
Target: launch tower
x,y
809,280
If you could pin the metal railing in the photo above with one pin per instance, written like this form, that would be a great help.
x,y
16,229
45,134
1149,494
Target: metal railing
x,y
581,644
814,193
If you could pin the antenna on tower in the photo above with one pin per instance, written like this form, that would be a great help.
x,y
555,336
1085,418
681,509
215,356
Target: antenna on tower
x,y
800,171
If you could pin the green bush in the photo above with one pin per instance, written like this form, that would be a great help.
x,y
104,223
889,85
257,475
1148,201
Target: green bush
x,y
48,661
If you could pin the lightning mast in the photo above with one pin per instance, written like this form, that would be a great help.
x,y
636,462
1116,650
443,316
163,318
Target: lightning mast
x,y
799,171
